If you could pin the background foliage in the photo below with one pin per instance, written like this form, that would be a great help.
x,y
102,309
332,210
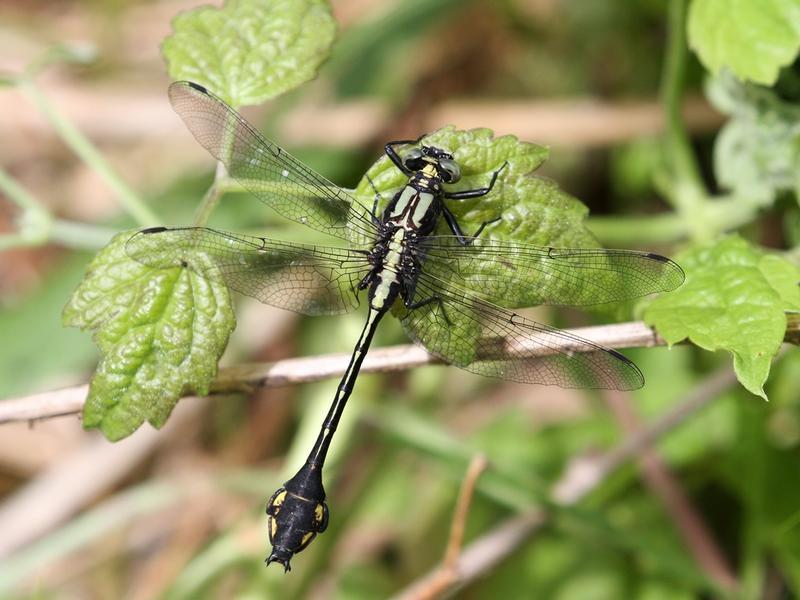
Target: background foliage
x,y
657,167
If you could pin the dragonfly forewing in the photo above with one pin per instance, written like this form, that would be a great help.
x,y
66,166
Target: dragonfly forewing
x,y
312,280
267,171
518,275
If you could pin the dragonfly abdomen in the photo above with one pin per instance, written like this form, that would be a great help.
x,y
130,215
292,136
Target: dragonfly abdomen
x,y
386,283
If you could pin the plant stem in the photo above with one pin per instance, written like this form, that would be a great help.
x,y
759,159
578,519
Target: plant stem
x,y
684,187
9,241
221,179
80,236
37,226
16,193
35,223
211,197
249,377
639,230
134,206
724,213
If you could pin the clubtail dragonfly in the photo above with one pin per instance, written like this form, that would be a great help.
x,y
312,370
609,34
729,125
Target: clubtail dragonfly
x,y
455,293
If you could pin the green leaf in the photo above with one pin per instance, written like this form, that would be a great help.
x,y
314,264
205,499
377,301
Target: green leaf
x,y
250,50
533,210
161,332
752,38
757,152
734,299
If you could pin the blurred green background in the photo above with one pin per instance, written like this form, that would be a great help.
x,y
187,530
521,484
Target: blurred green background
x,y
710,510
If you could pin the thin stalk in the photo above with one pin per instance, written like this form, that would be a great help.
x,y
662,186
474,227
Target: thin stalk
x,y
636,230
79,144
685,188
37,226
80,236
725,213
249,377
35,223
211,197
17,194
9,241
221,180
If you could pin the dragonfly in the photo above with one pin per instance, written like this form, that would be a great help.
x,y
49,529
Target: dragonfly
x,y
454,294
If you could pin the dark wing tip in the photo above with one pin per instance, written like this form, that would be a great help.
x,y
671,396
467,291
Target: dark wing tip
x,y
635,379
178,88
153,230
198,87
658,257
673,271
191,84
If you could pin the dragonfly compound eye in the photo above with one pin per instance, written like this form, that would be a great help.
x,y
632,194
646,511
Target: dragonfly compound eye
x,y
413,159
449,170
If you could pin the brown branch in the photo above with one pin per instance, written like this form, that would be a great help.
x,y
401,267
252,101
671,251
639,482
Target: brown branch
x,y
582,476
447,573
248,377
69,484
663,484
565,122
571,122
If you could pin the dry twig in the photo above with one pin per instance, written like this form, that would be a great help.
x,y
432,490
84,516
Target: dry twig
x,y
70,483
664,485
447,573
582,476
248,377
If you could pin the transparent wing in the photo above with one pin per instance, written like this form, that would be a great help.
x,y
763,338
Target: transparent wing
x,y
519,275
480,337
267,171
312,280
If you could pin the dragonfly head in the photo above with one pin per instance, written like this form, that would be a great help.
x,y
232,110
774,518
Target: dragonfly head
x,y
446,168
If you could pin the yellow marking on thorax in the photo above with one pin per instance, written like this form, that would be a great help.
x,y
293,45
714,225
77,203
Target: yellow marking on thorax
x,y
421,208
402,202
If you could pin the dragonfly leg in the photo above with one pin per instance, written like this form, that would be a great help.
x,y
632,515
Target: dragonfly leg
x,y
365,281
431,300
462,238
476,193
390,151
484,224
374,212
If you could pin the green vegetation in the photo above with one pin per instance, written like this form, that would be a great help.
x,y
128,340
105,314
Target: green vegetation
x,y
161,332
718,193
